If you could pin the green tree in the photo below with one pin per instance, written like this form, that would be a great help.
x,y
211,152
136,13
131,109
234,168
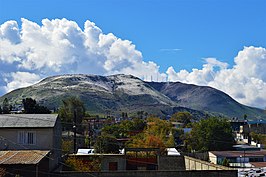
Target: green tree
x,y
226,162
123,129
6,106
31,107
183,117
72,107
136,124
114,130
140,114
106,144
211,134
256,137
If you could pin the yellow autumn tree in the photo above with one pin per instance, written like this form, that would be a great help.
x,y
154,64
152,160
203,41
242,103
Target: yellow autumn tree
x,y
157,134
82,166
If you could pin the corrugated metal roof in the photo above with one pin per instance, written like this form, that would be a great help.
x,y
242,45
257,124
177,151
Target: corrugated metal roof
x,y
27,120
22,157
258,164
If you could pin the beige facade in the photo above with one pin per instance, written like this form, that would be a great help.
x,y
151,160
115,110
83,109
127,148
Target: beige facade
x,y
43,139
32,135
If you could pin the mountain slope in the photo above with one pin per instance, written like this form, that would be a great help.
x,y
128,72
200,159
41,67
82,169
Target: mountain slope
x,y
100,94
205,99
127,93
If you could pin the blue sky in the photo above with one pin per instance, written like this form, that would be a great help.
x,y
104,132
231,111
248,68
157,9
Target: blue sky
x,y
181,34
200,28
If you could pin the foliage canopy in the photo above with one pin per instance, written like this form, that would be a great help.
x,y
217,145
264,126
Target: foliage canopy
x,y
157,134
211,134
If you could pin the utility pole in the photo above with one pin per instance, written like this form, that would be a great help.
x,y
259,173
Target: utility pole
x,y
89,135
75,130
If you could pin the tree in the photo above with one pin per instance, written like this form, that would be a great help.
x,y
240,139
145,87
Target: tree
x,y
1,111
106,144
123,129
72,108
31,107
90,165
6,106
258,138
157,134
183,117
226,162
211,134
140,114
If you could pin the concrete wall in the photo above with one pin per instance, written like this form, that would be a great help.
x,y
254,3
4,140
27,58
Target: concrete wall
x,y
121,162
213,158
44,139
195,164
57,142
171,163
211,173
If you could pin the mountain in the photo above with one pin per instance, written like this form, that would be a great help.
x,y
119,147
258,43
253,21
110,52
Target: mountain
x,y
126,93
206,99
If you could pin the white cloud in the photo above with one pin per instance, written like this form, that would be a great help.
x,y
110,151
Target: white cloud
x,y
59,46
9,31
20,79
170,50
245,81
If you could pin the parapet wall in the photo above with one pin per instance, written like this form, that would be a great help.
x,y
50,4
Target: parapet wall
x,y
196,164
205,173
173,163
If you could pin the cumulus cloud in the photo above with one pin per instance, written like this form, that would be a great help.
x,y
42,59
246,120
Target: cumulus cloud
x,y
33,51
245,81
60,46
20,79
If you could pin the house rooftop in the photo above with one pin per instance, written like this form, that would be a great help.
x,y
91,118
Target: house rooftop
x,y
239,153
27,120
258,164
27,157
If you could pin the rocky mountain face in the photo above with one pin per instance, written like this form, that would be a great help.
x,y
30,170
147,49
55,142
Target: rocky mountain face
x,y
126,93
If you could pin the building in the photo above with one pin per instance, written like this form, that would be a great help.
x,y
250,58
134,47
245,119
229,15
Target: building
x,y
149,162
242,135
238,158
32,132
258,126
25,162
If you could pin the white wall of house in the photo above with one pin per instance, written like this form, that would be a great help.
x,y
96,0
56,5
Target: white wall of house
x,y
212,158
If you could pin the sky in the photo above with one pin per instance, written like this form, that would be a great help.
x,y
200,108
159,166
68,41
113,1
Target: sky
x,y
217,43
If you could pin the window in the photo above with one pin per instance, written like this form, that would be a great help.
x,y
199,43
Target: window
x,y
27,137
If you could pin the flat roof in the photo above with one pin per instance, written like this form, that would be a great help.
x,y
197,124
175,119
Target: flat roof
x,y
27,120
27,157
239,153
172,151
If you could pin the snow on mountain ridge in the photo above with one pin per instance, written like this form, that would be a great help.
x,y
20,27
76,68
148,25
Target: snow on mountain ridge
x,y
72,81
